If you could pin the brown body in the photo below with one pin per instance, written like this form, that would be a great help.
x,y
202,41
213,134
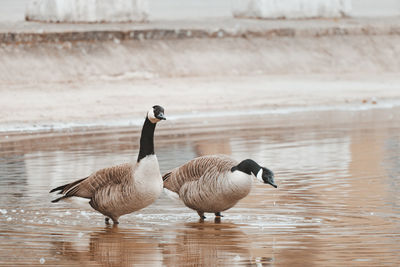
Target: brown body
x,y
207,184
119,190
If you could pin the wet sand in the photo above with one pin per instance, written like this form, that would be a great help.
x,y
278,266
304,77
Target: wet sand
x,y
337,203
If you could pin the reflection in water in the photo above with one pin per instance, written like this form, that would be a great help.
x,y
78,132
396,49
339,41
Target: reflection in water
x,y
337,203
110,246
207,244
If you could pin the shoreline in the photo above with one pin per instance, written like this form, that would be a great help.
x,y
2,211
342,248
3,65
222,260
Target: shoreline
x,y
252,66
203,116
84,104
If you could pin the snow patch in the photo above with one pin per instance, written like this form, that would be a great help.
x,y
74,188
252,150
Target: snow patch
x,y
87,10
291,9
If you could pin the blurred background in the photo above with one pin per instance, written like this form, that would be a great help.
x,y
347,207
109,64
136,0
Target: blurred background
x,y
14,10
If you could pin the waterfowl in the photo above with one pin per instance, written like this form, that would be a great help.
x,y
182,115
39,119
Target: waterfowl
x,y
125,188
214,183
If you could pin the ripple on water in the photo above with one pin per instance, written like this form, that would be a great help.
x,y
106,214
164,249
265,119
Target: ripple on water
x,y
337,202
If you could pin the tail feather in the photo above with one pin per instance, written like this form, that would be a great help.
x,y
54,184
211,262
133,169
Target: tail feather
x,y
66,187
58,188
58,199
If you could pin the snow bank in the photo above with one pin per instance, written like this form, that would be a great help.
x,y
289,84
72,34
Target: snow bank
x,y
292,9
87,10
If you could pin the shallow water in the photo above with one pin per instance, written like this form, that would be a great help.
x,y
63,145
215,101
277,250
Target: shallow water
x,y
337,203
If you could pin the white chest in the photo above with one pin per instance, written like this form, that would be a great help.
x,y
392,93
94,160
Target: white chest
x,y
147,180
147,169
240,180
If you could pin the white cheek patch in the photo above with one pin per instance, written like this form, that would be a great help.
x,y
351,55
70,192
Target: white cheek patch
x,y
259,175
151,116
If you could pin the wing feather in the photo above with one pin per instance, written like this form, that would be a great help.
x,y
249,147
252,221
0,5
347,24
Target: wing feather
x,y
195,169
100,179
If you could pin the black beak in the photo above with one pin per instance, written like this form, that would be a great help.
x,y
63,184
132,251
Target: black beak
x,y
269,179
274,185
161,116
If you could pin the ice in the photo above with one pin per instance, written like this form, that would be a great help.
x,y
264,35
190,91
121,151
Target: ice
x,y
3,211
87,11
9,219
42,260
13,211
80,235
273,9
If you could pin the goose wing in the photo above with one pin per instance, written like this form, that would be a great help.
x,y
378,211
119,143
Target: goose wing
x,y
193,170
106,177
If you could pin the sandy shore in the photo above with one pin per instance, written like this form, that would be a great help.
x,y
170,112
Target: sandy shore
x,y
119,103
105,83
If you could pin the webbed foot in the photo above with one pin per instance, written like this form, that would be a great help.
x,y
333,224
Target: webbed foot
x,y
201,214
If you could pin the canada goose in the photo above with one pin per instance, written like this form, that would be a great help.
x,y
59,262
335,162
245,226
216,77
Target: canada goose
x,y
214,183
125,188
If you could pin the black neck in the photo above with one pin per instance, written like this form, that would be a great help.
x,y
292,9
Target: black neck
x,y
147,139
247,166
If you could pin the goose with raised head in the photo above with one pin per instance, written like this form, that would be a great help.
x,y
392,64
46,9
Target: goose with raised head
x,y
214,183
125,188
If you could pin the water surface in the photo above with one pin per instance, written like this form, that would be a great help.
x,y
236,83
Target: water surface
x,y
337,203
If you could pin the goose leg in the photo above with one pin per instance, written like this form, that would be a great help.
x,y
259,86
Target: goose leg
x,y
218,214
115,220
201,214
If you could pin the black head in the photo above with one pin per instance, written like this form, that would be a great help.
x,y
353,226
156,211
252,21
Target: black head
x,y
267,176
156,114
251,167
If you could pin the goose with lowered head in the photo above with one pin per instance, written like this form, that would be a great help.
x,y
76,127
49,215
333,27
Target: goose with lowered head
x,y
214,183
